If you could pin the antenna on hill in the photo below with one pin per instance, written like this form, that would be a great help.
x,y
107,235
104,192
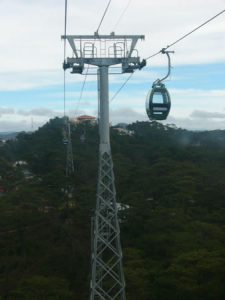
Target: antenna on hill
x,y
32,124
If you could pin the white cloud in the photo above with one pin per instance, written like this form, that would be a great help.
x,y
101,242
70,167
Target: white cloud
x,y
40,112
27,80
6,111
195,121
126,115
199,114
31,39
196,124
32,50
184,101
14,126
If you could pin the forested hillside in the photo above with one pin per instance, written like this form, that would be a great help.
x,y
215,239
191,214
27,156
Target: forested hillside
x,y
170,184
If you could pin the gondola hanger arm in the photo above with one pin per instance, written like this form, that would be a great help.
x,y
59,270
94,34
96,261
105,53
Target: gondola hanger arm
x,y
159,81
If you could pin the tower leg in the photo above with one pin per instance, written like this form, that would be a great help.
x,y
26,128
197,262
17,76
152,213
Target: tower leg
x,y
107,273
107,280
69,150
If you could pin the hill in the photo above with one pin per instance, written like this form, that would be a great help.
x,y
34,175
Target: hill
x,y
8,135
171,185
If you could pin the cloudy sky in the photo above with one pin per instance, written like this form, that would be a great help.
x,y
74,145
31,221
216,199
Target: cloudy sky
x,y
31,55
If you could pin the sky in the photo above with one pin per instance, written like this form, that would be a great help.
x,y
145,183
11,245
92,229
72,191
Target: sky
x,y
31,56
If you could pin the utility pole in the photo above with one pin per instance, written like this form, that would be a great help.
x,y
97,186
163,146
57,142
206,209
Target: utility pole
x,y
103,51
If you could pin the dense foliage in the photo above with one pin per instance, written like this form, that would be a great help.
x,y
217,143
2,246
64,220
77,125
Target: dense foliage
x,y
172,185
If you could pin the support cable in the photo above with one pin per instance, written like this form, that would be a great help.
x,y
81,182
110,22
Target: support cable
x,y
167,47
122,86
107,7
64,78
82,89
66,126
129,77
64,93
86,74
122,14
187,34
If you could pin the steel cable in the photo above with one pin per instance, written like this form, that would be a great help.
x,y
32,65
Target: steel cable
x,y
187,34
167,47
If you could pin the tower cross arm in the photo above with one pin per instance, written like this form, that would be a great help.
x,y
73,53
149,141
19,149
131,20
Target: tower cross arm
x,y
72,45
133,44
112,36
103,50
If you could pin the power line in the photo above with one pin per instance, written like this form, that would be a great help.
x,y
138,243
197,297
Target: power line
x,y
65,28
107,7
172,44
118,21
85,78
64,93
122,86
122,14
153,55
82,89
187,34
64,77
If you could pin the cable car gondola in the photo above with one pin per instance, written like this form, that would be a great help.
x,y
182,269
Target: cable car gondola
x,y
158,101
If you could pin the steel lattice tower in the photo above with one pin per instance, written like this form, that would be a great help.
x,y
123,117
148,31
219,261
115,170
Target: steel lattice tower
x,y
69,160
103,51
107,272
69,150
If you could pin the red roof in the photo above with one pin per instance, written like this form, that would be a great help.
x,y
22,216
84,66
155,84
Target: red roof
x,y
84,117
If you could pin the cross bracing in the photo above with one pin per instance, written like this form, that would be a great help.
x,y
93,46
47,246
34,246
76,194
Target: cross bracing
x,y
107,274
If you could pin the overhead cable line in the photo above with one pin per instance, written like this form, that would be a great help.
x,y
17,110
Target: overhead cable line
x,y
187,34
65,28
85,78
82,89
170,45
64,79
107,7
122,14
122,86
